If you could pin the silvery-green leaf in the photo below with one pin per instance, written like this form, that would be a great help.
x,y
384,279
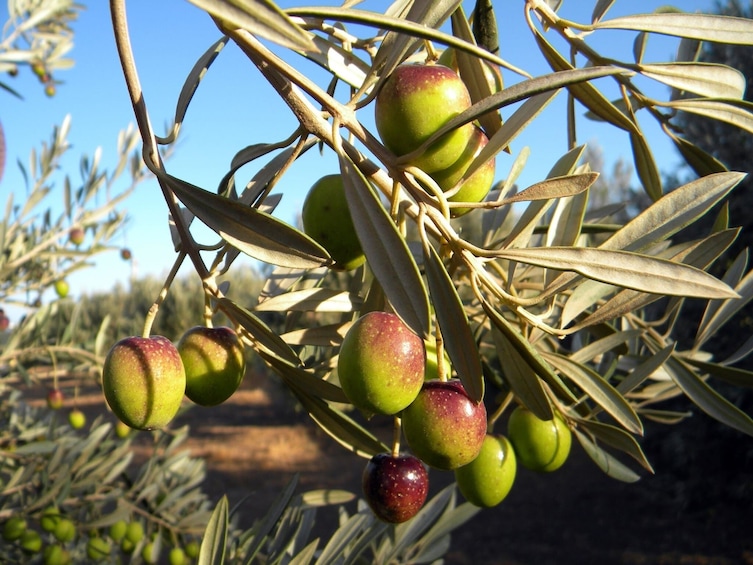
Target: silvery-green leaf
x,y
719,313
612,466
521,377
645,165
617,438
674,211
304,380
528,352
264,527
453,322
615,340
706,398
643,370
723,29
396,46
699,160
599,390
732,375
312,300
339,426
629,270
710,80
191,84
213,542
601,8
554,188
738,113
259,330
260,17
386,251
586,93
327,335
343,537
607,462
473,70
255,233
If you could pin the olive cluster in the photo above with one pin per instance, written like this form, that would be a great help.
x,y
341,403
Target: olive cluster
x,y
385,368
145,378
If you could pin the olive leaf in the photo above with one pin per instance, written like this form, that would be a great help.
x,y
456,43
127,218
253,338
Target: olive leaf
x,y
260,17
255,233
723,29
626,269
214,541
645,164
521,377
607,462
586,93
701,162
598,389
738,113
706,398
312,300
386,251
454,324
711,80
190,86
617,438
528,352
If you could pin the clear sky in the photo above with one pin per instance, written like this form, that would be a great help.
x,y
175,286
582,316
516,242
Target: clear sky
x,y
234,107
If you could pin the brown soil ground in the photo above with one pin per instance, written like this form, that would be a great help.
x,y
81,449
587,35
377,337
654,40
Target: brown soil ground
x,y
254,443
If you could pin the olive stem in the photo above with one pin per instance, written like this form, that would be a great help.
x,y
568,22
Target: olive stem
x,y
396,429
154,308
498,412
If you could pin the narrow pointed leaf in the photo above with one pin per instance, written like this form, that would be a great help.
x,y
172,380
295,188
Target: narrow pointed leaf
x,y
644,370
732,375
553,188
260,17
700,161
629,270
619,439
312,300
340,427
473,70
310,384
528,352
255,233
259,330
674,211
453,321
269,520
719,313
612,466
601,8
645,165
213,544
386,251
707,399
522,379
710,80
586,93
735,112
599,390
723,29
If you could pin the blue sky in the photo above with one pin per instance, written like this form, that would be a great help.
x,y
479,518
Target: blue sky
x,y
234,107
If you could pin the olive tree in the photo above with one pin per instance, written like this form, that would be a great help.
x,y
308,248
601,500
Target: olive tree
x,y
566,310
561,309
